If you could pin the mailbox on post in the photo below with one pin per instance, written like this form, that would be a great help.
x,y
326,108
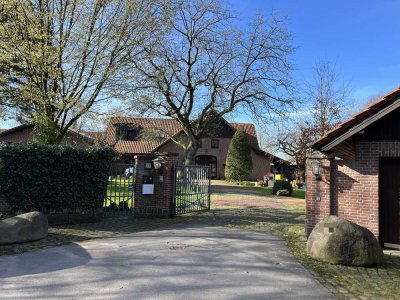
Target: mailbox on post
x,y
148,185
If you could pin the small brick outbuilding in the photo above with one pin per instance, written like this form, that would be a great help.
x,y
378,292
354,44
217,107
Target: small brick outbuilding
x,y
360,172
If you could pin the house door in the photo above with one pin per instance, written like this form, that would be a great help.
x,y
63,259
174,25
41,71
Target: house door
x,y
208,160
389,198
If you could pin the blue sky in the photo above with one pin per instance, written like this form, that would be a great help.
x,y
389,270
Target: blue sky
x,y
362,38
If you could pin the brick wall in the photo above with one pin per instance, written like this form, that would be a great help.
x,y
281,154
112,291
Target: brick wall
x,y
318,193
261,164
158,204
354,189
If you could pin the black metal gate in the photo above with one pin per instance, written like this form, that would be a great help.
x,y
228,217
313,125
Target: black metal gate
x,y
120,189
191,189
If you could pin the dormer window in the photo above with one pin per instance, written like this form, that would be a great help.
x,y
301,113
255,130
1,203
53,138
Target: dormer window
x,y
128,133
131,134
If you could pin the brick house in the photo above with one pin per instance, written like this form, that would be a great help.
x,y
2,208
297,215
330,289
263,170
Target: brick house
x,y
360,172
24,133
134,136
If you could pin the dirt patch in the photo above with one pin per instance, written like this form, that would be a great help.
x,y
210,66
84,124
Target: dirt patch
x,y
245,203
228,195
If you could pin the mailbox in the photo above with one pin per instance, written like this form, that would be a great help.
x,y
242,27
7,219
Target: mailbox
x,y
148,185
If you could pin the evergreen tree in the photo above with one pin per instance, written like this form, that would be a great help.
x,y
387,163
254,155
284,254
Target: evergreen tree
x,y
238,162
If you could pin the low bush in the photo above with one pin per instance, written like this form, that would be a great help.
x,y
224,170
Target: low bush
x,y
282,185
54,178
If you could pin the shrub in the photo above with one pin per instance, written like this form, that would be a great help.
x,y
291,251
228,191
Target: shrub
x,y
238,161
282,185
54,178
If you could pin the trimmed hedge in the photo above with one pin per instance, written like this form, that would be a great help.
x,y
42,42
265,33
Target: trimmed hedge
x,y
282,185
54,178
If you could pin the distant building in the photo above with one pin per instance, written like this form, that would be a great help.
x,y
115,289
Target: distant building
x,y
132,136
24,133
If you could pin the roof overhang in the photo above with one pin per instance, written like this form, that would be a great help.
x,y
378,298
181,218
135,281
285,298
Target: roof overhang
x,y
359,122
362,125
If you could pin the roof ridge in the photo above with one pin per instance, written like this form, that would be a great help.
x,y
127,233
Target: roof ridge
x,y
363,113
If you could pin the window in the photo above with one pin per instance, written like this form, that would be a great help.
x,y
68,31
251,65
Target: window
x,y
131,135
214,144
128,134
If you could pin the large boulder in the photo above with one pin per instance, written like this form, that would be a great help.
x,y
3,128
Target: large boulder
x,y
23,228
338,241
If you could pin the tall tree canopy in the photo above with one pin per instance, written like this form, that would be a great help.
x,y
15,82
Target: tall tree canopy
x,y
201,66
59,58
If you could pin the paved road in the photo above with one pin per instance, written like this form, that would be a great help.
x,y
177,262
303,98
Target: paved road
x,y
179,262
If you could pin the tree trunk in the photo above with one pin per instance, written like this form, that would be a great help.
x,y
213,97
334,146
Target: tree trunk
x,y
302,173
190,153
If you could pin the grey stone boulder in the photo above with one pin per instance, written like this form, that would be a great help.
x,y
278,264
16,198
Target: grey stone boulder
x,y
338,241
283,193
23,228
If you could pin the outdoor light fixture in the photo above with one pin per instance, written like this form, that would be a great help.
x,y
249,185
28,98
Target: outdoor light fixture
x,y
157,163
316,168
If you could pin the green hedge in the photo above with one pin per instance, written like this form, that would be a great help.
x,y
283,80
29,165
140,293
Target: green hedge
x,y
282,185
54,178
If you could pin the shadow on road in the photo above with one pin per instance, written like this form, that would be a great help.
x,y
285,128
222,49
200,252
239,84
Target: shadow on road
x,y
44,261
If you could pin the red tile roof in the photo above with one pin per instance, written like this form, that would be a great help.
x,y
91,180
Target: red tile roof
x,y
14,129
94,134
250,129
136,147
368,112
170,126
81,135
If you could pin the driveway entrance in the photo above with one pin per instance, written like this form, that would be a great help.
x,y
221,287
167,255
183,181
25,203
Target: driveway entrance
x,y
178,262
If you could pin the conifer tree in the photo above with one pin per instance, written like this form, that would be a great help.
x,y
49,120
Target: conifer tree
x,y
238,163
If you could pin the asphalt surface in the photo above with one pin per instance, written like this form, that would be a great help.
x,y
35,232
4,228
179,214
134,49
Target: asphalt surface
x,y
179,262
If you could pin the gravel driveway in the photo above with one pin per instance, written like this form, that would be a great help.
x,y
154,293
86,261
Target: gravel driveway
x,y
179,262
225,194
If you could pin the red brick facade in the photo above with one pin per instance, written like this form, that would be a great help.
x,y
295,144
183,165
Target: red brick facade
x,y
317,194
158,204
349,188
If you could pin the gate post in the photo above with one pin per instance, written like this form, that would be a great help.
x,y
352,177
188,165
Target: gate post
x,y
157,204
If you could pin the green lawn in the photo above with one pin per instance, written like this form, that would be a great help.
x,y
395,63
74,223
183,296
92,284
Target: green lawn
x,y
297,193
119,190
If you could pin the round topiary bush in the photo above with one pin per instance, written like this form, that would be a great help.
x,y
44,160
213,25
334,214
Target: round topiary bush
x,y
282,185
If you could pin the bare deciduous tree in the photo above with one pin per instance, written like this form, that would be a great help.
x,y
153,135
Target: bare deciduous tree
x,y
296,144
203,68
327,96
59,58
